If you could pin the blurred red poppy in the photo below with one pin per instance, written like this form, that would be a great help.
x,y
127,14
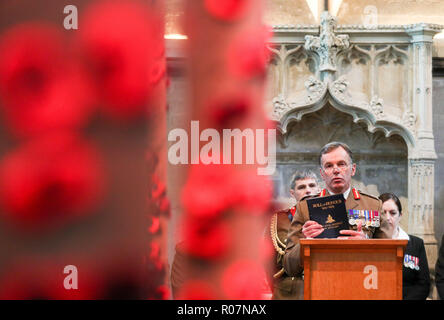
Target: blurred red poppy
x,y
256,193
228,110
123,47
124,280
90,283
211,189
155,255
206,238
208,191
155,225
196,290
243,280
40,85
248,55
227,10
36,279
163,292
159,196
50,179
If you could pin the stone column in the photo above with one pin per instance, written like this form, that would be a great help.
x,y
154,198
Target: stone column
x,y
422,157
421,200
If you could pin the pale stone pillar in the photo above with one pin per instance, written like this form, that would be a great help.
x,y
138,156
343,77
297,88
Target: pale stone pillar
x,y
422,157
421,200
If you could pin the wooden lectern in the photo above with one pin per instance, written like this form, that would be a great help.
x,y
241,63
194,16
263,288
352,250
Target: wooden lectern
x,y
352,269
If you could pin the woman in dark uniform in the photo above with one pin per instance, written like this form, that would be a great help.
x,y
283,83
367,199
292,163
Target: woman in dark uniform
x,y
415,273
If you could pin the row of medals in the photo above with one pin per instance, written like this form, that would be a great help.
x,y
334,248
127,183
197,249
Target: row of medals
x,y
369,218
411,262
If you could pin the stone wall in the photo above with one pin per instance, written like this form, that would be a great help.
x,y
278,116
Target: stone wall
x,y
438,132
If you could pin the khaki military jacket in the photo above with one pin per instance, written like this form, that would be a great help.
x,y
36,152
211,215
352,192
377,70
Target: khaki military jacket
x,y
356,200
283,286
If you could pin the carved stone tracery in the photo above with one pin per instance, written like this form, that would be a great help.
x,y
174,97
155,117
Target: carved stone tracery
x,y
377,108
315,89
328,44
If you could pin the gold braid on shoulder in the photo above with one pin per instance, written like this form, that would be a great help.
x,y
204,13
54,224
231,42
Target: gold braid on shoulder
x,y
277,243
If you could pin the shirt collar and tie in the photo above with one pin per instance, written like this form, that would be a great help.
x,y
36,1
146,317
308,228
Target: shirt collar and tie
x,y
346,193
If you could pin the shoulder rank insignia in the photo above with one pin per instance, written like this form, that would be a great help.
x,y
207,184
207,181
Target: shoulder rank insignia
x,y
356,194
368,195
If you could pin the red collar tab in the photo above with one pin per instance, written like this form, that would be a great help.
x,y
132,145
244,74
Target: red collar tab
x,y
356,194
323,193
293,211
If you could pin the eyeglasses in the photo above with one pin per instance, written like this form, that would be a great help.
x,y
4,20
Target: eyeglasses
x,y
342,166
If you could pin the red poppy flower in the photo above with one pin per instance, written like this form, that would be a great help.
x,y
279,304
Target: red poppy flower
x,y
163,292
196,290
248,55
155,255
256,193
155,225
206,239
155,250
208,191
90,284
36,279
227,10
212,189
243,280
50,179
228,110
124,278
123,46
159,196
39,83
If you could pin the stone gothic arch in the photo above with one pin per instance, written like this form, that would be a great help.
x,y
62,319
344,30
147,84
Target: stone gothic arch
x,y
335,94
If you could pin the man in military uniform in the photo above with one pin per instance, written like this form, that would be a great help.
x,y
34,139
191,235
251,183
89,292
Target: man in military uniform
x,y
302,184
337,170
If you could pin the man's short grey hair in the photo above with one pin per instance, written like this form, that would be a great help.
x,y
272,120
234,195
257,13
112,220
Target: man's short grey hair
x,y
302,175
329,147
